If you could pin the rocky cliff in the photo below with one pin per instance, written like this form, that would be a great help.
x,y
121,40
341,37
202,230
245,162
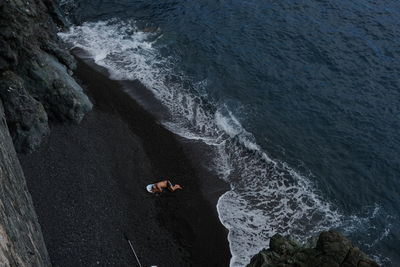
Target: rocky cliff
x,y
35,81
35,87
21,241
332,250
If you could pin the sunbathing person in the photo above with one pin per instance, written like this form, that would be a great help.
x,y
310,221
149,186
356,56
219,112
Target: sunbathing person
x,y
160,186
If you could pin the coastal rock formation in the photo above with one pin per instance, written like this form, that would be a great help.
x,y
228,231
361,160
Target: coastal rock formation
x,y
21,240
35,86
35,72
332,249
26,117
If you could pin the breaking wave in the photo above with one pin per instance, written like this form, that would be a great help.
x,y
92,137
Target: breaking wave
x,y
267,196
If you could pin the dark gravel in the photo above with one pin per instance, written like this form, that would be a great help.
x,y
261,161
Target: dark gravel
x,y
87,182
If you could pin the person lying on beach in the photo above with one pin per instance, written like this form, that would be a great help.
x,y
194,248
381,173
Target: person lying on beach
x,y
159,187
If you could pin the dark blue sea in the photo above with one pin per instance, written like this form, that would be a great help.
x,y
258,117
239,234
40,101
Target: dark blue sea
x,y
300,100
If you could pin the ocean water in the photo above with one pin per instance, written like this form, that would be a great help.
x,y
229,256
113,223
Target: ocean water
x,y
300,101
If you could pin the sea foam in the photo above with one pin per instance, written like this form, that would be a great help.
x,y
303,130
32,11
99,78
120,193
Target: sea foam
x,y
266,196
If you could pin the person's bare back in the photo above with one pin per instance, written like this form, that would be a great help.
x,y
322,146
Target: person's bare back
x,y
160,186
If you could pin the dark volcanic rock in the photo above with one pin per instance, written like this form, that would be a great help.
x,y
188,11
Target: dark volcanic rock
x,y
332,249
8,58
62,55
26,116
61,96
35,84
30,48
21,240
55,13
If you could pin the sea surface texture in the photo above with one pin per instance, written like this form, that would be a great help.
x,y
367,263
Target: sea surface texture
x,y
300,101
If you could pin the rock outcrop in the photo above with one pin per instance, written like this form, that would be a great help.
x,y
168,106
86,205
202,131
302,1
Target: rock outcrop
x,y
35,72
35,87
332,249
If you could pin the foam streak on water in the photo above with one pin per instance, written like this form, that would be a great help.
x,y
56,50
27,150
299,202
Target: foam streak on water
x,y
266,195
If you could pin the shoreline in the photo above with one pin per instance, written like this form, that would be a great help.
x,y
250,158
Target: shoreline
x,y
87,180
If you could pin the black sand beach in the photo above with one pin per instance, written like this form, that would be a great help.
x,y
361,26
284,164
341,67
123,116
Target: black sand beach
x,y
87,182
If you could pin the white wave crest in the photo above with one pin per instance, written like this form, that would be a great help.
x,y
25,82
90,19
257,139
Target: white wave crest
x,y
267,196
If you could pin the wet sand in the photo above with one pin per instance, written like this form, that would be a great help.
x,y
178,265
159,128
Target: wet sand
x,y
87,182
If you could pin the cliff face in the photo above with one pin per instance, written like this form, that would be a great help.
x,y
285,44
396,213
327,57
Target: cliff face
x,y
21,241
35,86
332,250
